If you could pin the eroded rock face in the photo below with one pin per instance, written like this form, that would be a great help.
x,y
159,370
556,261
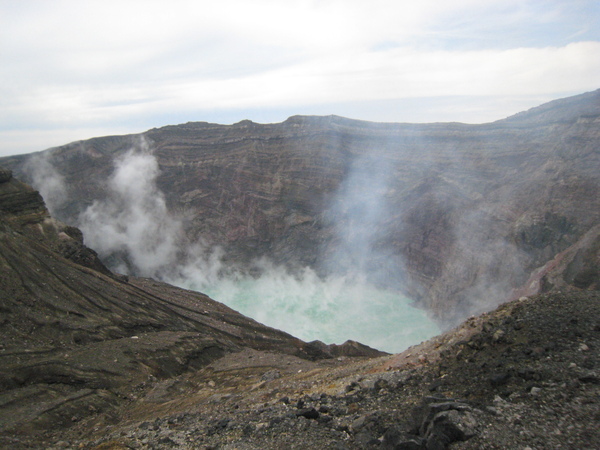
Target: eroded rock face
x,y
457,216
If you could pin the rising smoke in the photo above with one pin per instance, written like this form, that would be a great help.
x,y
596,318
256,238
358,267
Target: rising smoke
x,y
479,243
47,180
131,228
360,212
134,233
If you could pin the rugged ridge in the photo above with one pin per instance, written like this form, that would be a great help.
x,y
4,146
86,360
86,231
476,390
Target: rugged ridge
x,y
468,212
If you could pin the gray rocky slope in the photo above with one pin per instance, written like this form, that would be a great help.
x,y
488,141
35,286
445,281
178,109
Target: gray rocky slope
x,y
99,361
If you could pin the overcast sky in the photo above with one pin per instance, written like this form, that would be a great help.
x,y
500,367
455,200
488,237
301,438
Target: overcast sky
x,y
76,69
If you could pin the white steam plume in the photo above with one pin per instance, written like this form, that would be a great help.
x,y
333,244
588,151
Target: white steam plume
x,y
47,180
134,233
132,225
495,265
360,213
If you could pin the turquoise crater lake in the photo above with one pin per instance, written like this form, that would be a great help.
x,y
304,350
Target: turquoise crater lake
x,y
331,310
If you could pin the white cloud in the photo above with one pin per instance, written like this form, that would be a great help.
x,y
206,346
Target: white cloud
x,y
399,73
70,64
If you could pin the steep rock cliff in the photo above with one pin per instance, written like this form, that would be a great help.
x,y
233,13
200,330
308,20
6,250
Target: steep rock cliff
x,y
457,216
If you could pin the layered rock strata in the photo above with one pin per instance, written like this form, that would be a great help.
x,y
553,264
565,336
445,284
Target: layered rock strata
x,y
457,216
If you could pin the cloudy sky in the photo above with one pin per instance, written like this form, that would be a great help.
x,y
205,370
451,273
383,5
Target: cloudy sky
x,y
75,69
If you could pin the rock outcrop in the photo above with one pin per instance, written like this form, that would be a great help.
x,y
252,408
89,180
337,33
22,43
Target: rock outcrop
x,y
457,216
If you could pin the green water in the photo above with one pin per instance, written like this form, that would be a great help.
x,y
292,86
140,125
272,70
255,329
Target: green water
x,y
332,310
